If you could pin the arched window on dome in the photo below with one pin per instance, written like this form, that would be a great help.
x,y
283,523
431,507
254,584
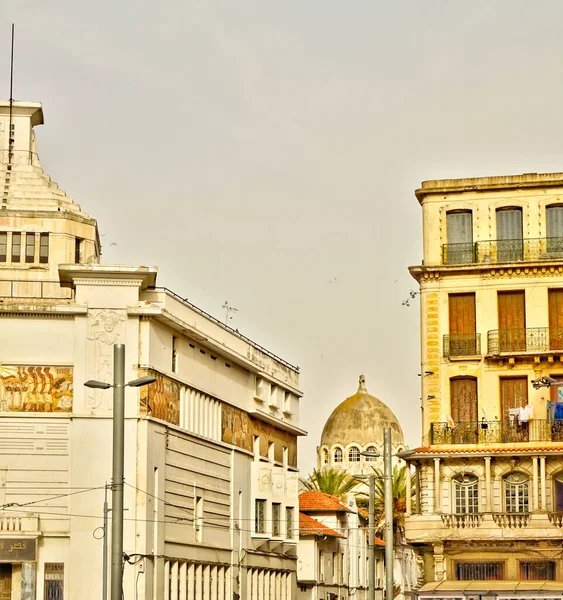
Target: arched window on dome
x,y
338,455
371,450
325,456
354,454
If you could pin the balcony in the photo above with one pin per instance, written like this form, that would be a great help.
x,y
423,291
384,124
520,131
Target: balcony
x,y
462,520
462,344
496,432
524,341
503,251
511,520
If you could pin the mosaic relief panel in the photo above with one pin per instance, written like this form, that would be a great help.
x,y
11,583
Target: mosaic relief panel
x,y
36,389
238,429
161,399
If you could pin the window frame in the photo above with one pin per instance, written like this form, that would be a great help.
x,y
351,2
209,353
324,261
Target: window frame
x,y
356,452
521,496
372,449
16,248
260,507
43,257
276,519
4,244
525,566
338,455
289,516
29,258
465,494
51,570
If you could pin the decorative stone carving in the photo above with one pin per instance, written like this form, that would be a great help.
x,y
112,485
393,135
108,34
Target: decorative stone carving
x,y
105,328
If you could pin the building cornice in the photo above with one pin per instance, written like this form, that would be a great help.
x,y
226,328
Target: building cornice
x,y
552,269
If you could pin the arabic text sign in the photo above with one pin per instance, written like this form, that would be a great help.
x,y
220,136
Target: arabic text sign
x,y
17,549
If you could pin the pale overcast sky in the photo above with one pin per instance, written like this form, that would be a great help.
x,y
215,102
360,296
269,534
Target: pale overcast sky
x,y
266,153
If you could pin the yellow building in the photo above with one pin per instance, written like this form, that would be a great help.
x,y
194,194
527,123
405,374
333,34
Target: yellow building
x,y
489,474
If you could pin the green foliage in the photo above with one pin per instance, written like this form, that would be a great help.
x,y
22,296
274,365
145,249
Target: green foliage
x,y
331,481
399,489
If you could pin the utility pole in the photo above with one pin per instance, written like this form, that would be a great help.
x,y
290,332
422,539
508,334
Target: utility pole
x,y
117,482
371,540
388,477
105,548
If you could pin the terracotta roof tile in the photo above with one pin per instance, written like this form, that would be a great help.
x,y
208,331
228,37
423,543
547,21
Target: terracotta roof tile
x,y
493,449
315,501
310,526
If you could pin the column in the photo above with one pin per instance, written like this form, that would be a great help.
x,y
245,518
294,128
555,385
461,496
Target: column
x,y
183,581
408,488
221,583
417,496
214,572
535,500
174,581
488,507
206,581
543,487
29,581
191,581
198,582
437,507
167,579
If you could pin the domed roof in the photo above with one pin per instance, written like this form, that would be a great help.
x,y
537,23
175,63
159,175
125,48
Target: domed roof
x,y
361,419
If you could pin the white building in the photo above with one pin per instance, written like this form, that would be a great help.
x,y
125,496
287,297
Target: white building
x,y
333,550
211,448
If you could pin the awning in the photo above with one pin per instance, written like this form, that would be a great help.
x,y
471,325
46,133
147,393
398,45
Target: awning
x,y
501,588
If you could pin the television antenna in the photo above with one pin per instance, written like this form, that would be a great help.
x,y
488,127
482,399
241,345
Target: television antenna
x,y
228,310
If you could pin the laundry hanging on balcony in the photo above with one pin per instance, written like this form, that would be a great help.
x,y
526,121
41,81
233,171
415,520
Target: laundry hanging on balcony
x,y
555,410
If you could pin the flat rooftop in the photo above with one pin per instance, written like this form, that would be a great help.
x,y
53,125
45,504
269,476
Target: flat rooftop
x,y
472,184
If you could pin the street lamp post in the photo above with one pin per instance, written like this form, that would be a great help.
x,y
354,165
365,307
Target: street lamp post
x,y
118,460
388,477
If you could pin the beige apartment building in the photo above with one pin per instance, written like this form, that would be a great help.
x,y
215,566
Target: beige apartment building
x,y
488,512
211,481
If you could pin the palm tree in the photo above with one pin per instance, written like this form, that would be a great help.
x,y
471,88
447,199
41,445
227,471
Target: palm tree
x,y
399,489
331,481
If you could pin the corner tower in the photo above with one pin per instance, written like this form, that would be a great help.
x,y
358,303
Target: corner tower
x,y
40,226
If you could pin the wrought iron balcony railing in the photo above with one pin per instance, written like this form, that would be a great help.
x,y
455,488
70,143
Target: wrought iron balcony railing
x,y
496,432
462,344
518,341
503,251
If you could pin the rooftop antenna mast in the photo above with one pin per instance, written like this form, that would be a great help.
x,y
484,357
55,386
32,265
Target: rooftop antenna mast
x,y
10,133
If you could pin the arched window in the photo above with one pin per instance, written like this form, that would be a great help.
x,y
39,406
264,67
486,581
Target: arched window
x,y
466,494
354,454
509,234
325,456
459,249
371,450
338,455
516,493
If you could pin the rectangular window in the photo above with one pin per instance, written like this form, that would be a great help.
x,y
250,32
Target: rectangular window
x,y
44,248
4,246
54,581
174,354
510,246
335,568
198,520
462,340
276,519
538,570
274,395
16,247
467,571
260,516
554,219
29,247
77,246
459,249
511,321
289,522
555,297
464,403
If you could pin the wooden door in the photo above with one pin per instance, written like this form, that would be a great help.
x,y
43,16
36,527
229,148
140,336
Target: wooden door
x,y
5,581
555,319
513,394
462,324
463,400
512,321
